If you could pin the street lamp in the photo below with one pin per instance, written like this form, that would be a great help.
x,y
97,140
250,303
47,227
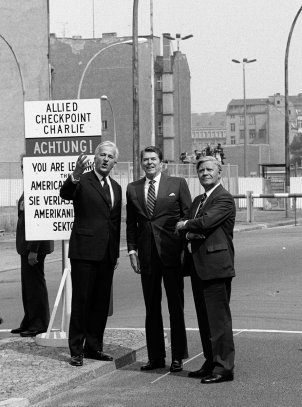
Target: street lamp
x,y
178,38
93,57
20,74
104,97
287,153
244,61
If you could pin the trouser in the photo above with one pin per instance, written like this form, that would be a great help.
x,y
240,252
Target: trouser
x,y
212,298
91,289
152,290
34,295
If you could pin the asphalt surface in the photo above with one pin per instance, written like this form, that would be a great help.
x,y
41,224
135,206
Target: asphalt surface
x,y
30,373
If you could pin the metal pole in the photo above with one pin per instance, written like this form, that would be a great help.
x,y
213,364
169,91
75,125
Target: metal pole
x,y
152,76
114,124
245,129
136,148
93,33
287,154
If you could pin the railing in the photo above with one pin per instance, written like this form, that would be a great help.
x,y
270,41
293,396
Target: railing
x,y
250,196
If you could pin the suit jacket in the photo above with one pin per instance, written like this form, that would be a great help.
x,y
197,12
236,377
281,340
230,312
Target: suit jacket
x,y
96,227
213,255
42,247
172,203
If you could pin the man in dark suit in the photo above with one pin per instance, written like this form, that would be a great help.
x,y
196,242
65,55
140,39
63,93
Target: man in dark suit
x,y
154,205
210,256
93,250
33,284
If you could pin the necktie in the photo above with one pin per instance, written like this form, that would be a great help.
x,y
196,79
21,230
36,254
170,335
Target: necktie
x,y
151,198
107,191
198,212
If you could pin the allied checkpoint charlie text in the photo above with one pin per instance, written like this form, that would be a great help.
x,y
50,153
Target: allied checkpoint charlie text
x,y
62,119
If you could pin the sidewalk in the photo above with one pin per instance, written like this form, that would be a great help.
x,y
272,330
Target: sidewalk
x,y
30,373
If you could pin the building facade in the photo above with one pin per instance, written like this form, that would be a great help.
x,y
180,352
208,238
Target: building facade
x,y
24,73
208,128
108,65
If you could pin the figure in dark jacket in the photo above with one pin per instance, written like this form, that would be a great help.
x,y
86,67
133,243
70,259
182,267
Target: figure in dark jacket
x,y
210,256
93,250
33,283
154,205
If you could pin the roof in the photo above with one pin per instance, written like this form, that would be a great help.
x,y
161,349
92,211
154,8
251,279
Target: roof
x,y
209,120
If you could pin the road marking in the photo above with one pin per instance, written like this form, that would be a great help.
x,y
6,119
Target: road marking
x,y
239,330
192,358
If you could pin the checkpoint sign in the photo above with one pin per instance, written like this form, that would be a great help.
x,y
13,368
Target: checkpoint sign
x,y
56,133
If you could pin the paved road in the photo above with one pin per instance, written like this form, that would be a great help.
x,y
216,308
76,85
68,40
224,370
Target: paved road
x,y
266,306
266,292
266,376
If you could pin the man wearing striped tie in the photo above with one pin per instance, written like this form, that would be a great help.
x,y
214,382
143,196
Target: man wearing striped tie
x,y
155,204
209,231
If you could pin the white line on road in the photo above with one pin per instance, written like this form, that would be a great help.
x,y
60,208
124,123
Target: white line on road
x,y
189,360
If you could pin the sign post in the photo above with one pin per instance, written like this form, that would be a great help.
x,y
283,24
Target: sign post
x,y
56,133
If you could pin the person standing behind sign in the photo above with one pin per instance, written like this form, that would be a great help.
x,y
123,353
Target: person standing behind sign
x,y
34,289
93,250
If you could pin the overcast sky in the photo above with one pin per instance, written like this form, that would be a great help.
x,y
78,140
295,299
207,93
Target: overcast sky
x,y
222,29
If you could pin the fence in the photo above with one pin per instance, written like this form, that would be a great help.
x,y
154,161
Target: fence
x,y
11,187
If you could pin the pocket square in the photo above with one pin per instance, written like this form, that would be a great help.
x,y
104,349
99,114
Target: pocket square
x,y
172,194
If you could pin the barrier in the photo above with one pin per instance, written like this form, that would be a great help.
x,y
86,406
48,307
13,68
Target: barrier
x,y
250,199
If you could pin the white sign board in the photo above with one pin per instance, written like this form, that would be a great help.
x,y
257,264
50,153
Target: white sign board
x,y
47,216
62,118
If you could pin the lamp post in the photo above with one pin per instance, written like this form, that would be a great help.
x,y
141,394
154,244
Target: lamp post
x,y
244,61
104,97
20,75
115,44
135,91
178,38
287,153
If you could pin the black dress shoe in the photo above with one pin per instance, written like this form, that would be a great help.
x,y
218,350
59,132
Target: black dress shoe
x,y
154,364
98,355
200,373
30,333
217,378
76,360
16,330
176,366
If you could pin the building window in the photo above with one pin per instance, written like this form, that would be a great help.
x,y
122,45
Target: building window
x,y
159,106
232,126
104,125
262,133
159,82
252,120
233,140
299,123
160,129
241,119
242,134
252,134
232,117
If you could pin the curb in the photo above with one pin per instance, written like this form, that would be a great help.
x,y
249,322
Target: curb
x,y
258,226
80,376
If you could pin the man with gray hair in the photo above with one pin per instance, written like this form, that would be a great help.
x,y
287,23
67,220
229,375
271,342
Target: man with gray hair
x,y
210,257
93,250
